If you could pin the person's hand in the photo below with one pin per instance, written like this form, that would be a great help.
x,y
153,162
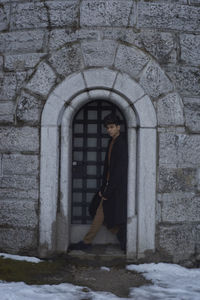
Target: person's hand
x,y
100,194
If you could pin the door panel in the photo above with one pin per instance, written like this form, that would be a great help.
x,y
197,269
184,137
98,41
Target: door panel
x,y
89,147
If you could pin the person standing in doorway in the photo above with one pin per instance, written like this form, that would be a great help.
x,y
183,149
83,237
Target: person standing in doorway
x,y
112,209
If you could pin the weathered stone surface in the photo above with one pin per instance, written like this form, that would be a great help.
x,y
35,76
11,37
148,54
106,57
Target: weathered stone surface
x,y
179,150
177,179
10,84
122,34
1,62
19,139
161,45
23,41
19,164
20,182
154,80
105,12
43,80
28,15
4,16
22,62
190,49
18,240
63,13
67,60
16,194
60,37
99,53
180,207
186,79
29,109
170,110
15,213
192,113
7,112
130,60
178,240
168,16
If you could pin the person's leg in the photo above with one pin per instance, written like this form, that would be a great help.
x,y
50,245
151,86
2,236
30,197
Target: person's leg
x,y
94,228
96,225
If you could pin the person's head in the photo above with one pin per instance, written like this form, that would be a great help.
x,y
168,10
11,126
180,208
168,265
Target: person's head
x,y
112,124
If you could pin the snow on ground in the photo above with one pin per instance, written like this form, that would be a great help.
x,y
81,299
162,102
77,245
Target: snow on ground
x,y
170,282
18,257
64,291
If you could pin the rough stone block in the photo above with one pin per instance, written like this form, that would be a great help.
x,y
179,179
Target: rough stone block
x,y
67,60
190,49
1,62
168,149
192,113
170,110
122,34
4,16
19,164
177,240
154,81
22,41
63,13
189,150
186,79
22,62
161,45
16,194
29,109
28,15
179,150
177,179
19,139
7,112
10,84
19,182
18,240
105,12
125,85
180,207
15,213
168,16
60,37
43,80
99,53
130,60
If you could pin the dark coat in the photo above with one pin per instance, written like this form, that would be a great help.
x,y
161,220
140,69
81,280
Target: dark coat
x,y
115,207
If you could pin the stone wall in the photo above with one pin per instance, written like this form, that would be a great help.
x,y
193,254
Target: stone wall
x,y
155,42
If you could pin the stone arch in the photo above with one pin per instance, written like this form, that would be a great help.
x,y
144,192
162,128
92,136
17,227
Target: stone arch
x,y
126,58
58,113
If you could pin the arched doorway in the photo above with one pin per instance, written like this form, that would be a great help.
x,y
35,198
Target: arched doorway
x,y
89,142
56,149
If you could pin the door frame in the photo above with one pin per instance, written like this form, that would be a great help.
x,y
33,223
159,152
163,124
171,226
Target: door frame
x,y
77,229
55,168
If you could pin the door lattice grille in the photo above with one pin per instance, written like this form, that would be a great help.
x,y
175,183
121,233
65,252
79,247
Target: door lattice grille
x,y
89,147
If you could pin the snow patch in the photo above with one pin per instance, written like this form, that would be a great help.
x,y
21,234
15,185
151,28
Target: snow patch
x,y
171,281
105,269
22,258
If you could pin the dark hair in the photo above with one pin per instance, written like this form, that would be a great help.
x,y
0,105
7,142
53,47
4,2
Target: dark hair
x,y
111,119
